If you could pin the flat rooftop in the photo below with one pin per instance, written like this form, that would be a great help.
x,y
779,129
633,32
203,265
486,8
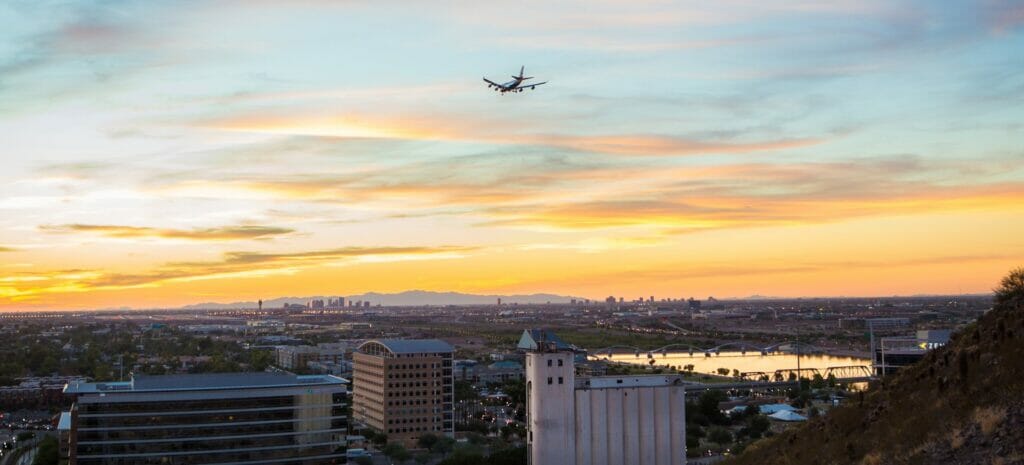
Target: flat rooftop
x,y
64,424
203,382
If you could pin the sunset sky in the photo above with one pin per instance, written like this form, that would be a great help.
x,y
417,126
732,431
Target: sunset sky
x,y
157,154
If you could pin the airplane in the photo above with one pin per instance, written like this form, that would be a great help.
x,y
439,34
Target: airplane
x,y
513,86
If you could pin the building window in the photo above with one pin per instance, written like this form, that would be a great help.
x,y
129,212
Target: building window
x,y
549,362
559,362
559,380
549,380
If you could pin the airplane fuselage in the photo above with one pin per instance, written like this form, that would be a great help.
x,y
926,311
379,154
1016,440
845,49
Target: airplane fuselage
x,y
511,85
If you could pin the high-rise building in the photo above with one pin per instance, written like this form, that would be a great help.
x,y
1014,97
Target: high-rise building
x,y
236,418
404,388
598,420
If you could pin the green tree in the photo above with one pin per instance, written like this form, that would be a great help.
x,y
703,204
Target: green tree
x,y
464,456
427,440
396,452
512,430
443,446
708,405
757,426
47,453
1010,293
516,391
508,456
465,391
49,365
719,435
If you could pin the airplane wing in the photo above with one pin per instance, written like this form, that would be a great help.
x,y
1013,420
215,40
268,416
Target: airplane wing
x,y
531,86
495,84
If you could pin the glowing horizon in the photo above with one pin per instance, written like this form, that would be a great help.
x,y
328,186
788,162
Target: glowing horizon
x,y
158,155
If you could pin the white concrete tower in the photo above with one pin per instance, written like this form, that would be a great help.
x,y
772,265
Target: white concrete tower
x,y
551,412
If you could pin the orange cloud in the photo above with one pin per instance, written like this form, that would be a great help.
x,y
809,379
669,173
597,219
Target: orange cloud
x,y
455,128
663,145
232,264
226,233
681,213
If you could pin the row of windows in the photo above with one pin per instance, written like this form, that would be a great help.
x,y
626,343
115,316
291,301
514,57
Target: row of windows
x,y
420,374
413,411
395,403
172,432
205,446
413,384
560,379
201,457
559,362
401,421
415,429
114,422
413,393
420,355
183,405
413,366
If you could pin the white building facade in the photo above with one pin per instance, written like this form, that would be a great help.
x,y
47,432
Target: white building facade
x,y
606,420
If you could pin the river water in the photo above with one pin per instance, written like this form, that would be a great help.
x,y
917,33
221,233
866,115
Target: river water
x,y
751,361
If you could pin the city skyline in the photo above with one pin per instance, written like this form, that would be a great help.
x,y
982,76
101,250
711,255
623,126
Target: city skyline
x,y
159,156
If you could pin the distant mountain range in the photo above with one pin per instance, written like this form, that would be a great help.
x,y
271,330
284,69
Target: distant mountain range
x,y
407,298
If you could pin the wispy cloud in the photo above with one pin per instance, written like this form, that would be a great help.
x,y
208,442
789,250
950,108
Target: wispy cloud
x,y
672,198
261,263
459,129
739,196
1004,15
27,286
224,233
663,145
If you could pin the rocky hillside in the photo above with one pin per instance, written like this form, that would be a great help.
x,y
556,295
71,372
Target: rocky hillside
x,y
962,404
